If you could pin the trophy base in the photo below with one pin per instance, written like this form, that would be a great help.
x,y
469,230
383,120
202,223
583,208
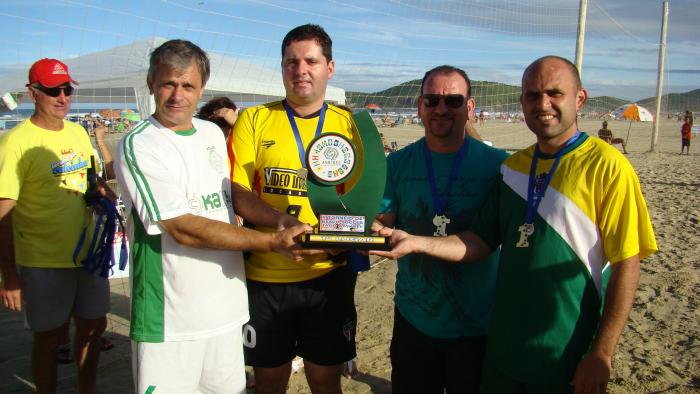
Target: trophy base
x,y
345,241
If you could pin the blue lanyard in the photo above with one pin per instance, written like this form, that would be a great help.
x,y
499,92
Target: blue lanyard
x,y
297,136
534,197
440,201
100,258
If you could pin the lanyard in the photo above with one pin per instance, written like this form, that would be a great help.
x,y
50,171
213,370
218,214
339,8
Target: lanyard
x,y
534,197
440,202
295,129
100,257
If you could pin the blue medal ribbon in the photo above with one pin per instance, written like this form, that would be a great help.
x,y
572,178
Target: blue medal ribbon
x,y
301,149
100,257
440,201
534,197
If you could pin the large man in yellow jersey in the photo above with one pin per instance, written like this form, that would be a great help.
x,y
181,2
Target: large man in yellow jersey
x,y
572,226
43,177
297,308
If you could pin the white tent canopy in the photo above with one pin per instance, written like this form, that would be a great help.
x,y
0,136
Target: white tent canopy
x,y
118,76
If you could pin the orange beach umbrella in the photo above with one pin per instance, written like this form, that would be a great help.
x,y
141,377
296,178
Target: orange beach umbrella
x,y
634,112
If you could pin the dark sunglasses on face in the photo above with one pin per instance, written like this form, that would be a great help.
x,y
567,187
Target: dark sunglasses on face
x,y
451,100
55,92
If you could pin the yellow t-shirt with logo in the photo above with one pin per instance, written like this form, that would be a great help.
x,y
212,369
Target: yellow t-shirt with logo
x,y
265,159
45,172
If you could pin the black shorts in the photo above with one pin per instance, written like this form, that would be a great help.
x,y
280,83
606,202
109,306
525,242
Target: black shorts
x,y
427,365
314,319
685,142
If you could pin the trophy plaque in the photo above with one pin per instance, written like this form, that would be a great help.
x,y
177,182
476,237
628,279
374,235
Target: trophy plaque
x,y
345,218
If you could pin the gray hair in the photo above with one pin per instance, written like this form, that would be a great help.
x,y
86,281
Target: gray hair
x,y
178,55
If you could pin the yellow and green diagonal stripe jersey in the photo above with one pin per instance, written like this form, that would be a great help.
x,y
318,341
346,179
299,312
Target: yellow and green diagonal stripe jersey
x,y
549,294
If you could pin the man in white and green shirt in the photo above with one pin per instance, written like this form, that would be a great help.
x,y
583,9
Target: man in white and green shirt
x,y
572,224
189,298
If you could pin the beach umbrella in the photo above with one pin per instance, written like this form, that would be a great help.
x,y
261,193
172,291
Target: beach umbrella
x,y
635,113
372,107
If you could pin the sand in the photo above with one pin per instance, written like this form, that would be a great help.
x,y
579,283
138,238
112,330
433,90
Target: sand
x,y
659,350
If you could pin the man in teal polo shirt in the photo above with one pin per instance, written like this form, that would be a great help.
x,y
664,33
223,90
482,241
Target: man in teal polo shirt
x,y
434,187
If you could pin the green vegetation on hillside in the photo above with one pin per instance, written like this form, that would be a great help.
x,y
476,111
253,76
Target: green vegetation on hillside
x,y
675,102
499,97
491,96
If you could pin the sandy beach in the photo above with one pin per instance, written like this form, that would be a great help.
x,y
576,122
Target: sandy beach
x,y
659,351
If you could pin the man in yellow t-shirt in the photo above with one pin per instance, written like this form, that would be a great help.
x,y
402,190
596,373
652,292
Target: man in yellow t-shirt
x,y
303,307
43,177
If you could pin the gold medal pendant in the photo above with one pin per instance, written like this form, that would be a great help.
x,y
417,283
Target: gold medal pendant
x,y
526,230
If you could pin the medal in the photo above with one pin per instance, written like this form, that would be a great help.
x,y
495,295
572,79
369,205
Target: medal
x,y
440,222
536,187
302,173
526,230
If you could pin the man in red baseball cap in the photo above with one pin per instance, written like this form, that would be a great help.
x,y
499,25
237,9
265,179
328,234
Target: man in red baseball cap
x,y
43,176
50,88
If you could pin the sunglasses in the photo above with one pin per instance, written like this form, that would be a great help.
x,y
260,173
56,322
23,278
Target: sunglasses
x,y
55,92
451,100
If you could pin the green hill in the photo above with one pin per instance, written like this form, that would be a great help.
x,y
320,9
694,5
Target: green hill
x,y
491,96
675,102
399,96
499,97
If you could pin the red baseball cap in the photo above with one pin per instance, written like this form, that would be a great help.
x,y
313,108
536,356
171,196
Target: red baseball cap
x,y
49,73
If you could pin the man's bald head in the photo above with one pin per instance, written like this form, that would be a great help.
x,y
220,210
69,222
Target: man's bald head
x,y
571,67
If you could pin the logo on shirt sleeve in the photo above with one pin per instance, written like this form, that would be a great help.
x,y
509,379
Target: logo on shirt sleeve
x,y
210,202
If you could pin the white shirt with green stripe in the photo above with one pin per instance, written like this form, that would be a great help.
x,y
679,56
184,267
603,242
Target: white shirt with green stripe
x,y
179,292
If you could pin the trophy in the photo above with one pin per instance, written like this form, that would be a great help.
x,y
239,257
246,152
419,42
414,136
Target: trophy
x,y
345,218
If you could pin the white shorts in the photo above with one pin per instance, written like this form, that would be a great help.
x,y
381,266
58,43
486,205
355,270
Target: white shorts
x,y
212,365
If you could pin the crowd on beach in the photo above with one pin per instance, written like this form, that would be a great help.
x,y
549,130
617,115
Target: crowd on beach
x,y
516,273
117,125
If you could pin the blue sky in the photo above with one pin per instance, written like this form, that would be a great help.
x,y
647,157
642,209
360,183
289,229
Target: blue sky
x,y
378,44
